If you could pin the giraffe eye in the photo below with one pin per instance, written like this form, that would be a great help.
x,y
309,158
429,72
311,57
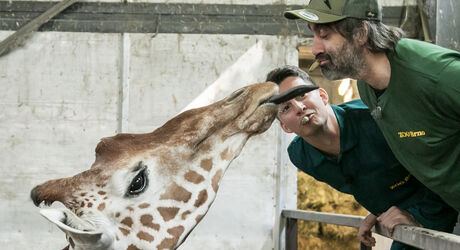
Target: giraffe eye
x,y
138,184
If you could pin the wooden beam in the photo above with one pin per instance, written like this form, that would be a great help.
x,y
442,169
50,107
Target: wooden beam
x,y
18,38
105,17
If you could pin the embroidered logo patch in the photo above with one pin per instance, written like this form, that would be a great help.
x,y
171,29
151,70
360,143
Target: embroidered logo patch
x,y
309,15
370,14
411,134
402,182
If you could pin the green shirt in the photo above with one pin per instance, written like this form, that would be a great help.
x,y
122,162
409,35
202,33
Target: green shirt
x,y
420,114
367,169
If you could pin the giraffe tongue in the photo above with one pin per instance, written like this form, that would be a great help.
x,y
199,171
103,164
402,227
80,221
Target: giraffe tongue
x,y
66,220
291,93
79,232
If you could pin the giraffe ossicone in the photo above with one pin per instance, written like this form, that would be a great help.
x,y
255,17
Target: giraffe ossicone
x,y
148,191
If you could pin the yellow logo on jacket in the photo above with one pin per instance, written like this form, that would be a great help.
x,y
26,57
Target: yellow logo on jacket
x,y
411,134
406,179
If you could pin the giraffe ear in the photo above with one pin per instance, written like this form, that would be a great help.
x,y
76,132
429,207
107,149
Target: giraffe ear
x,y
81,232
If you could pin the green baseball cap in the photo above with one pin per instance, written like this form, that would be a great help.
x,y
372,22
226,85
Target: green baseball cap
x,y
328,11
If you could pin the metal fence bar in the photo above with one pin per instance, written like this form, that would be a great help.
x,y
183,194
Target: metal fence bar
x,y
422,237
415,236
336,219
291,234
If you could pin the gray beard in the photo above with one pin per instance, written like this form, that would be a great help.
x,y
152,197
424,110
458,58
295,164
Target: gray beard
x,y
347,62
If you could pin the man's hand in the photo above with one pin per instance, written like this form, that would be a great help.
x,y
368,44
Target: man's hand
x,y
364,232
395,216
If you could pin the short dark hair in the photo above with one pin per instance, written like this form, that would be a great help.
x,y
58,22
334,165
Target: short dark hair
x,y
380,37
279,74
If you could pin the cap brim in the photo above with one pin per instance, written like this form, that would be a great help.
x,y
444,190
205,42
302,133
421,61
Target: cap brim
x,y
312,16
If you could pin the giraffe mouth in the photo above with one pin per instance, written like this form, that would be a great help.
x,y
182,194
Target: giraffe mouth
x,y
67,220
78,231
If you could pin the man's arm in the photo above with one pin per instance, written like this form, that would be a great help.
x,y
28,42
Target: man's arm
x,y
448,93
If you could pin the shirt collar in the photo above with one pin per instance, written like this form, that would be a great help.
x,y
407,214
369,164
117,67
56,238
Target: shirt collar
x,y
348,140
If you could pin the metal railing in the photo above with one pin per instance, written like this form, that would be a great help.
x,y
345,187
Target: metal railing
x,y
414,236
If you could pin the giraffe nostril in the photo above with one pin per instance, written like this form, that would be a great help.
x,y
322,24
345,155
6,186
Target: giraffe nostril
x,y
35,196
235,95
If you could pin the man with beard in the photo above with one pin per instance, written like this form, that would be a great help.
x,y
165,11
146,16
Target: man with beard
x,y
343,147
411,87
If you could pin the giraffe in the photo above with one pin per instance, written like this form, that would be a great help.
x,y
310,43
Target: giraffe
x,y
148,191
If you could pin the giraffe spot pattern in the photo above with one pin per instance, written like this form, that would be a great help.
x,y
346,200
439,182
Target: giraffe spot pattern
x,y
90,204
166,243
193,177
176,231
147,220
145,236
124,231
216,179
206,164
198,218
132,247
168,213
101,207
226,154
127,221
202,197
176,192
170,242
185,214
144,205
101,192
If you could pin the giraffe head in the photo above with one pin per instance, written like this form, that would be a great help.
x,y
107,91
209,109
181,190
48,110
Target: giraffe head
x,y
148,191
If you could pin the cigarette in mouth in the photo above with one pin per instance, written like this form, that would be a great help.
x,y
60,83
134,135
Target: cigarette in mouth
x,y
305,120
314,65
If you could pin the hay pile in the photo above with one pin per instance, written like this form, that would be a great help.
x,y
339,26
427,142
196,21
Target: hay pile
x,y
317,196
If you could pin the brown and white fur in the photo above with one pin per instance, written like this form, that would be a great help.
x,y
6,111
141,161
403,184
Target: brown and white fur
x,y
148,191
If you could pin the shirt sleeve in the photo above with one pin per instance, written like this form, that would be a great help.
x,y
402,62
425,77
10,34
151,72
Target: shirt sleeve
x,y
448,94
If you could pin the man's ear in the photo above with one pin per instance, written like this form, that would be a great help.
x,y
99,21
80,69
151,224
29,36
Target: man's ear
x,y
285,129
361,35
324,96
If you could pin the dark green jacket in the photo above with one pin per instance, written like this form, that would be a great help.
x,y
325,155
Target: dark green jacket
x,y
367,169
420,114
